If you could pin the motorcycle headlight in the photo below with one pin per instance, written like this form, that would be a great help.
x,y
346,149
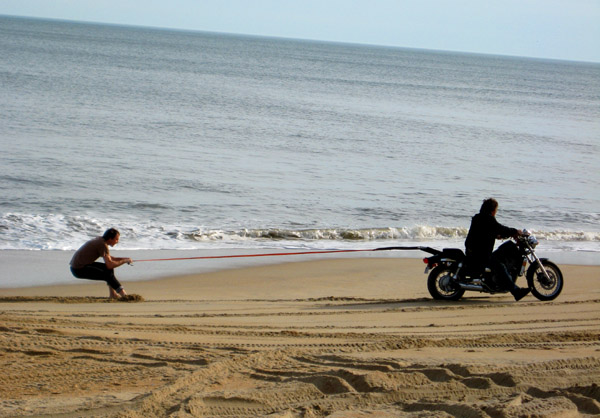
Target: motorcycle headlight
x,y
532,241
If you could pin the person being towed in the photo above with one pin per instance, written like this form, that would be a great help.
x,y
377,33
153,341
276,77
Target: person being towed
x,y
84,264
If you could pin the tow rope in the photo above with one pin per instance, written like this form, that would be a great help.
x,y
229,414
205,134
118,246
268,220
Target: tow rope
x,y
280,254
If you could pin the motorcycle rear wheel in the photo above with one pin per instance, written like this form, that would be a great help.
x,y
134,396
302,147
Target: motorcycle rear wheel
x,y
542,287
441,285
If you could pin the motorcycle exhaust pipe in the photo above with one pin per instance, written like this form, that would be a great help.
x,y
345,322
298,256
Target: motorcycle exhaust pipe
x,y
476,287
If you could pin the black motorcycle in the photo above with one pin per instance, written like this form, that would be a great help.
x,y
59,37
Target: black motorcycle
x,y
451,275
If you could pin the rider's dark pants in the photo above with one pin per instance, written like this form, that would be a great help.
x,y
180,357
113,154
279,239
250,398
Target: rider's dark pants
x,y
502,275
478,263
98,271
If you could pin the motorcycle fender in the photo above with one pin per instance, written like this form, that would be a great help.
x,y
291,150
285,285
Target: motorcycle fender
x,y
431,263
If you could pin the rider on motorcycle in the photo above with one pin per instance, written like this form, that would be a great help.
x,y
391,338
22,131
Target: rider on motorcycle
x,y
484,231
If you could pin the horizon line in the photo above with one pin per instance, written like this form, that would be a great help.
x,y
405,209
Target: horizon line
x,y
365,44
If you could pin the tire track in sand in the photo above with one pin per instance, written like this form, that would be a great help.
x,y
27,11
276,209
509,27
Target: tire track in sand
x,y
264,360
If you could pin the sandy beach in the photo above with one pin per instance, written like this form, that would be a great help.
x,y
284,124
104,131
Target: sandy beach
x,y
337,338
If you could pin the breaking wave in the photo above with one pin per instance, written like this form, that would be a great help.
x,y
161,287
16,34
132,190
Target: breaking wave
x,y
61,232
366,234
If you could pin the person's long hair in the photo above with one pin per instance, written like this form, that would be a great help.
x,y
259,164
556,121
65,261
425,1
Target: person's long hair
x,y
488,206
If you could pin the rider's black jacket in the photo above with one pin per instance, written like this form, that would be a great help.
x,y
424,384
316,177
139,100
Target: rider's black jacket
x,y
482,235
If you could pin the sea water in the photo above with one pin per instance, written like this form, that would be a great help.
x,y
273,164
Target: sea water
x,y
203,141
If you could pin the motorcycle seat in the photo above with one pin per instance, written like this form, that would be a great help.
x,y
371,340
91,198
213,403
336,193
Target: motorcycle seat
x,y
453,253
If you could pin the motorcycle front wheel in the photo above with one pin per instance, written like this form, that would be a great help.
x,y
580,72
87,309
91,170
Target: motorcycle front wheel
x,y
441,286
542,287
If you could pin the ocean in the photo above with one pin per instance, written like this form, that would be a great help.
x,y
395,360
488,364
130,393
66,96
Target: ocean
x,y
203,141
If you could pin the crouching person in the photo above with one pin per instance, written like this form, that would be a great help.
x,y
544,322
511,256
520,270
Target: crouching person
x,y
84,264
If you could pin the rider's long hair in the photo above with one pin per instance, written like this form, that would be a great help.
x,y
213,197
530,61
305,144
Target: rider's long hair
x,y
488,206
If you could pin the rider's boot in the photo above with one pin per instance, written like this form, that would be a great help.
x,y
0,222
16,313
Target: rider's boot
x,y
520,292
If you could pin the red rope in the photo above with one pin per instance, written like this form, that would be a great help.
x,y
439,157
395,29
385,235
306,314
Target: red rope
x,y
252,255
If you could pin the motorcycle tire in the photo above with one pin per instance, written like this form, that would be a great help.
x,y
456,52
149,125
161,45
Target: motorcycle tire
x,y
441,286
542,287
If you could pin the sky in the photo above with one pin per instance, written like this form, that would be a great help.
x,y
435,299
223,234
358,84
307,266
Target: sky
x,y
555,29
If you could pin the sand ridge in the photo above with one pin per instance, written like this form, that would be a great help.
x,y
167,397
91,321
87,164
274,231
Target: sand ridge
x,y
71,299
326,351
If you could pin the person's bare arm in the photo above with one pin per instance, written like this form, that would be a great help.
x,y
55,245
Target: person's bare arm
x,y
114,262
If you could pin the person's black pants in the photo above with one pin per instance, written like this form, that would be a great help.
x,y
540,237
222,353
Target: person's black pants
x,y
502,275
98,271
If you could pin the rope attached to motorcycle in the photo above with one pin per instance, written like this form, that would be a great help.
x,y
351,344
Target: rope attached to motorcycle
x,y
282,254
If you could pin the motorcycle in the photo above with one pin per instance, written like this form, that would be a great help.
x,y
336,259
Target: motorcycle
x,y
450,276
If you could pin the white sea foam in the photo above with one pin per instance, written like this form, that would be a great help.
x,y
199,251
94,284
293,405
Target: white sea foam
x,y
61,232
